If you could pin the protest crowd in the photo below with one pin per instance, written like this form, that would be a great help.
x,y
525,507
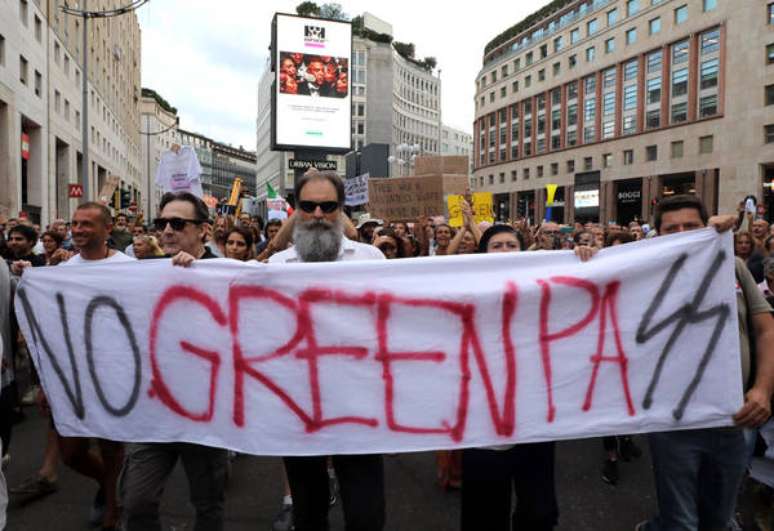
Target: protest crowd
x,y
698,474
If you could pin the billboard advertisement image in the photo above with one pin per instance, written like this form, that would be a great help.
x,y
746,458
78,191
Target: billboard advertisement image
x,y
312,97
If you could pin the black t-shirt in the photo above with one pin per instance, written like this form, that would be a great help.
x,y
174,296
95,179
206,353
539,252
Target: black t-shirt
x,y
37,260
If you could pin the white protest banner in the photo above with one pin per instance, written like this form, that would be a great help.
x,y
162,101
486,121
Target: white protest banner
x,y
391,356
356,189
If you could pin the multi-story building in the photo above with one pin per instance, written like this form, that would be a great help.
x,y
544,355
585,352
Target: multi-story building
x,y
221,164
457,142
621,102
395,100
41,82
159,134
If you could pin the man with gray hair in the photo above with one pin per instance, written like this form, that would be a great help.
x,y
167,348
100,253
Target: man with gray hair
x,y
318,234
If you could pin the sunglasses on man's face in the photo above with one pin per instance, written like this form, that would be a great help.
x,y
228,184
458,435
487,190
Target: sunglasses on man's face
x,y
177,224
326,206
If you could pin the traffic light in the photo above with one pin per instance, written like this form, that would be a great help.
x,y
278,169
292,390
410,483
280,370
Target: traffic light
x,y
126,198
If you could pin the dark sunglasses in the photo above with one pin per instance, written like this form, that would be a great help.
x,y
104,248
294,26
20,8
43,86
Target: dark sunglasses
x,y
326,206
177,224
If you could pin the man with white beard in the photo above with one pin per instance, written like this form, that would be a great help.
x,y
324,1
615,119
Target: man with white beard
x,y
318,236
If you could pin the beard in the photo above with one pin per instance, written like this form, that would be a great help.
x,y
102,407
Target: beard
x,y
318,240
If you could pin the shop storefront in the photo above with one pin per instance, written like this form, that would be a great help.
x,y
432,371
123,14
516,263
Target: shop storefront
x,y
525,205
502,207
628,195
586,197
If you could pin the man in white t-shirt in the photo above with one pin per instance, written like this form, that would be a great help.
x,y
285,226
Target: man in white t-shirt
x,y
91,227
318,235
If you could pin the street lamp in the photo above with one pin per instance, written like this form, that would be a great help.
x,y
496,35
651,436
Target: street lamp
x,y
86,15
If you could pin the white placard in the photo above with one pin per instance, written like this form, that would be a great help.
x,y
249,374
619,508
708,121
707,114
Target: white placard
x,y
402,355
356,189
586,198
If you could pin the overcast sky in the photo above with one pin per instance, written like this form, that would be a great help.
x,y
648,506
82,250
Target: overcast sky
x,y
206,57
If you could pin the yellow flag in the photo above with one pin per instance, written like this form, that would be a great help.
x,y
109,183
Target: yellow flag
x,y
483,207
550,194
454,202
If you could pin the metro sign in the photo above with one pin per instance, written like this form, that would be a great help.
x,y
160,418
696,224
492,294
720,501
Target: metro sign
x,y
74,190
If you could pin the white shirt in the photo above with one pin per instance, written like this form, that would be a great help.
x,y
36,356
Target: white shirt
x,y
349,250
179,172
115,258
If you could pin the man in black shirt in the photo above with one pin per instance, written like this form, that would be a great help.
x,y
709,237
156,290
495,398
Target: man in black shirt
x,y
148,465
21,240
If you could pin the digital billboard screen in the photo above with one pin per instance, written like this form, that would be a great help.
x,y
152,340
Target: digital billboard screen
x,y
312,101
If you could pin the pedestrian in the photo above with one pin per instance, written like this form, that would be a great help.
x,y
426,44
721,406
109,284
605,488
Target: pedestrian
x,y
684,461
21,241
148,466
390,244
466,239
239,244
746,249
547,237
318,234
7,373
120,236
146,246
52,242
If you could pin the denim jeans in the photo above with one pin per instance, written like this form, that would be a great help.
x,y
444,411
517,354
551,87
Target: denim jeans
x,y
698,474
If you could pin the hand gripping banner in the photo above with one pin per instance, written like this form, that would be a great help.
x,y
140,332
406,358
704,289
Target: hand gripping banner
x,y
391,356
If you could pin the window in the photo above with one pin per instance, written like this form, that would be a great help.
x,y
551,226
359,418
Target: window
x,y
769,94
540,171
654,90
590,84
572,90
710,5
612,17
591,27
769,134
513,176
609,104
590,54
558,44
491,179
607,160
542,74
680,82
504,71
572,61
23,70
770,9
631,36
709,73
630,70
491,97
24,12
588,163
608,129
710,41
2,50
679,113
556,97
502,178
708,106
770,53
572,138
57,101
706,144
38,29
654,26
677,149
557,69
655,62
529,58
503,92
554,168
651,153
571,165
630,97
628,157
632,6
544,51
590,110
680,52
572,114
67,110
528,81
515,86
526,173
681,14
38,84
610,45
629,125
556,119
653,119
494,76
574,36
608,78
589,134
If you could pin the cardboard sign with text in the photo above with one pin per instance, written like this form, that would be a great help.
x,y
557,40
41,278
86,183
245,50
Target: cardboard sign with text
x,y
407,198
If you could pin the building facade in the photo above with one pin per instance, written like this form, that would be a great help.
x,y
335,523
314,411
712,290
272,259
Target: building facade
x,y
159,134
622,102
395,101
41,81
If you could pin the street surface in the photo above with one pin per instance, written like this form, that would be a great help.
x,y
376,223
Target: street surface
x,y
414,501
